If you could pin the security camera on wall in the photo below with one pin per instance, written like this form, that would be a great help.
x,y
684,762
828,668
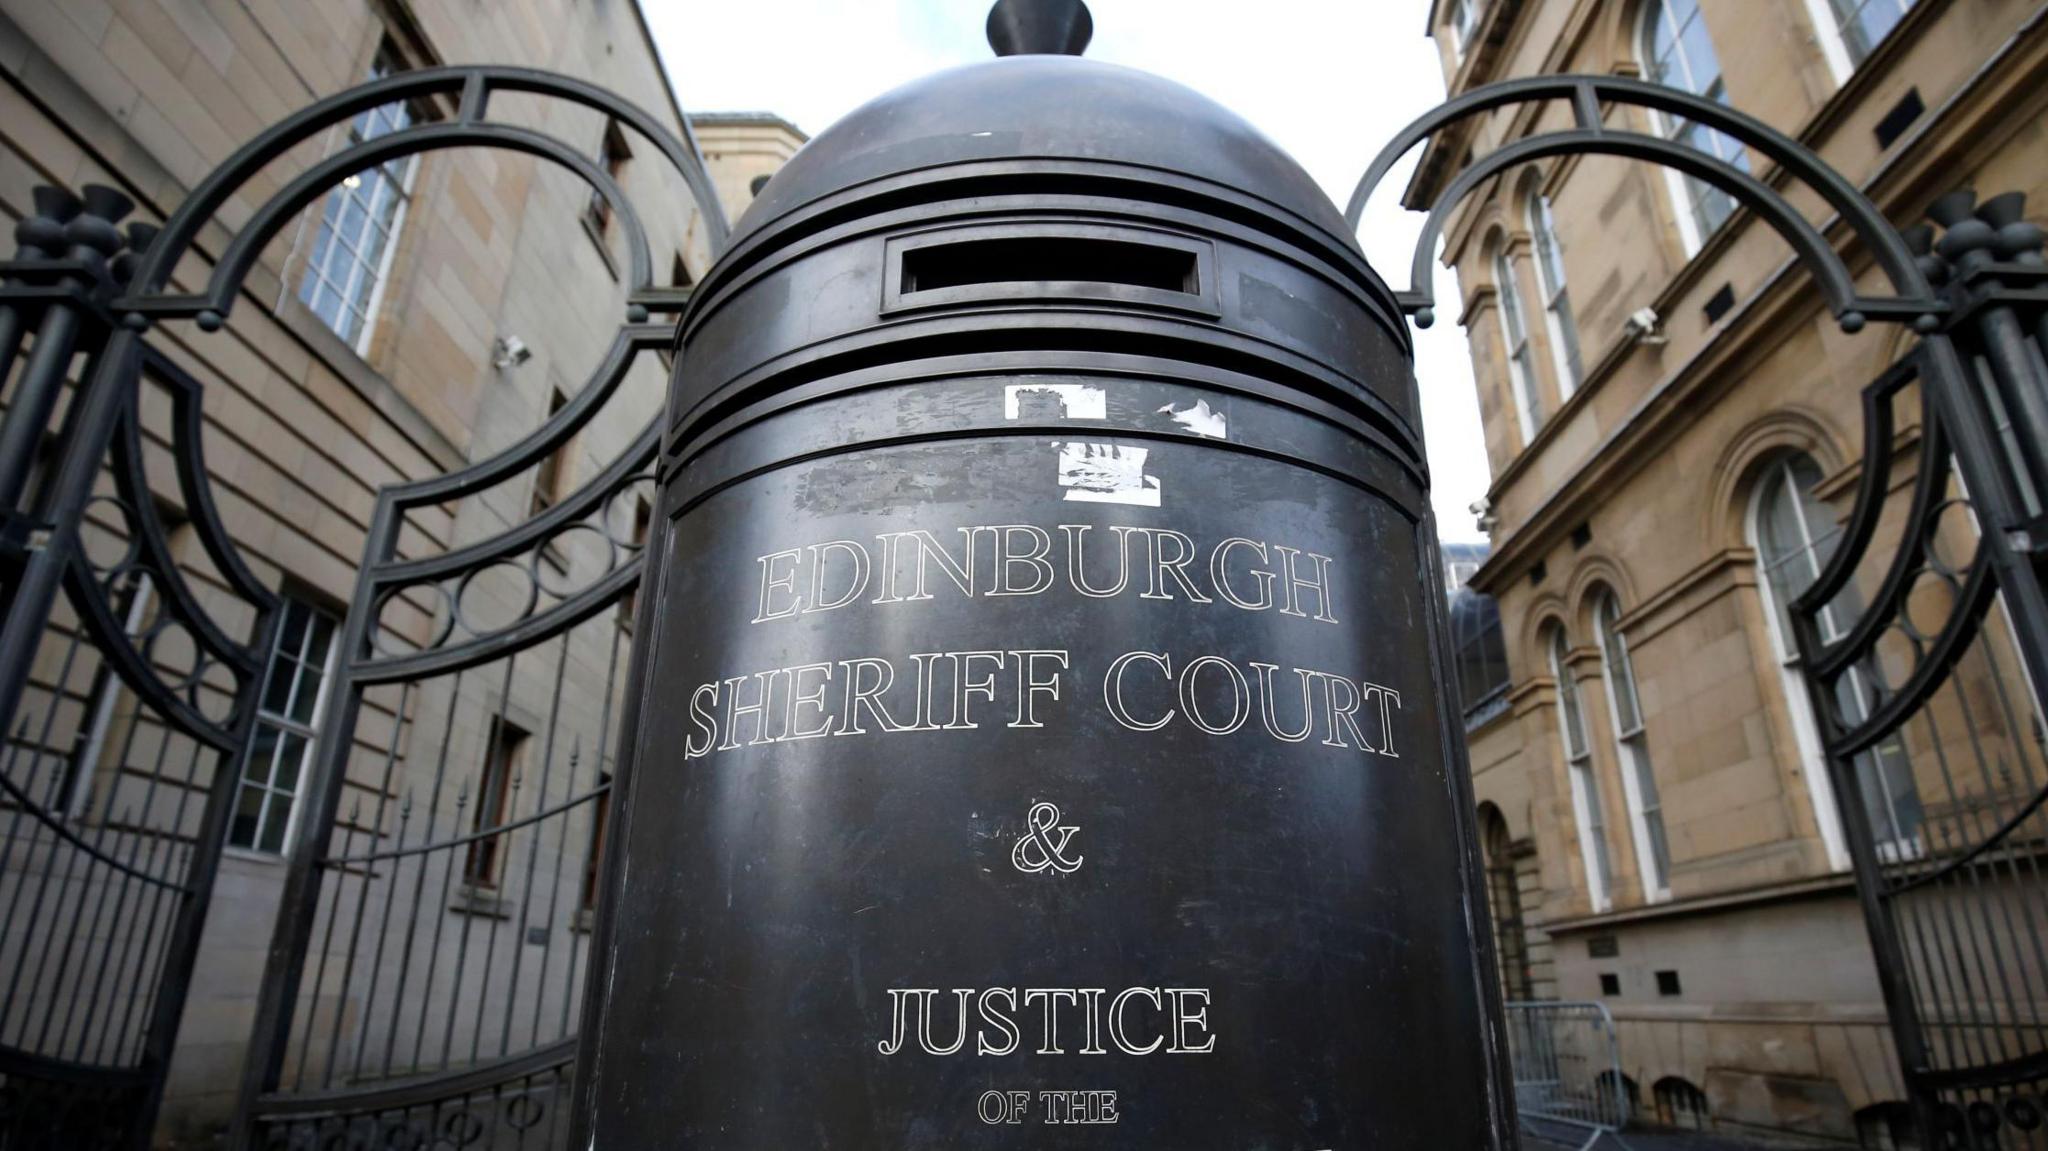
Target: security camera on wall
x,y
1641,327
510,352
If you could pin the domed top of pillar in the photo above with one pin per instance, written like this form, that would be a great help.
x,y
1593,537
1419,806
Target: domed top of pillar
x,y
1040,118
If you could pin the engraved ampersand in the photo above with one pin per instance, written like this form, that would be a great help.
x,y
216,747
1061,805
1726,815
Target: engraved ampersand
x,y
1044,845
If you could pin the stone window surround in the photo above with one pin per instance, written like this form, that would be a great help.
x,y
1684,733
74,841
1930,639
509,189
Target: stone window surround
x,y
1582,771
1631,747
307,730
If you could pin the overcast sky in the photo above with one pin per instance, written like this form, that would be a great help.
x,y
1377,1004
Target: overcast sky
x,y
1330,80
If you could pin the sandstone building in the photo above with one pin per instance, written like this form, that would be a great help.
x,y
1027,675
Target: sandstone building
x,y
419,318
1658,822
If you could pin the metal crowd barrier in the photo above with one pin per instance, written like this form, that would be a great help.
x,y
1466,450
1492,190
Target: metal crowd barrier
x,y
1569,1088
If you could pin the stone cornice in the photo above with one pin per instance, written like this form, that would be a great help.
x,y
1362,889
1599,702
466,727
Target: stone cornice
x,y
1816,887
1719,574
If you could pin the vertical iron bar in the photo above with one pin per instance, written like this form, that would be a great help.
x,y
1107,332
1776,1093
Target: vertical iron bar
x,y
540,979
418,888
300,901
131,924
355,937
78,980
106,810
419,1039
35,398
1969,941
2021,741
540,802
338,879
2003,341
1989,898
501,860
25,802
167,846
469,912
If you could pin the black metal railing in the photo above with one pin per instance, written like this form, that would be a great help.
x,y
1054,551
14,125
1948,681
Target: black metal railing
x,y
128,676
1924,656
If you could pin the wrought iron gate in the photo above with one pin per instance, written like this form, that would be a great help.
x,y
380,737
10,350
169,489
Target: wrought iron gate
x,y
424,983
1931,696
127,688
1923,644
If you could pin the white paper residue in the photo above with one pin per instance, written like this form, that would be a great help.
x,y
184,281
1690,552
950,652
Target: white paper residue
x,y
1107,474
1200,419
1054,402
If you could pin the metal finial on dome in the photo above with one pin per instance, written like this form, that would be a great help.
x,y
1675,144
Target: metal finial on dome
x,y
1040,27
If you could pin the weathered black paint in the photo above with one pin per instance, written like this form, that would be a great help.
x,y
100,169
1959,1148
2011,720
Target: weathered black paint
x,y
768,896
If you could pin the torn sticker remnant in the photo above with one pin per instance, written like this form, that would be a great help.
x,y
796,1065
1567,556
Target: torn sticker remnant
x,y
1054,402
1107,474
1198,418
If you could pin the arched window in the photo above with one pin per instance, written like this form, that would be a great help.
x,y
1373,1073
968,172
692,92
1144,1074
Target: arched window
x,y
1557,303
1794,535
1680,1104
1677,51
1578,755
1639,781
1515,334
1504,900
1851,29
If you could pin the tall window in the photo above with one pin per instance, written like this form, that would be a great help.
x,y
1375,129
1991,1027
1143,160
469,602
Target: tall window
x,y
1586,806
1653,850
1464,22
281,754
1794,537
1504,899
493,800
1677,51
1515,332
351,256
553,473
612,154
1851,29
1557,302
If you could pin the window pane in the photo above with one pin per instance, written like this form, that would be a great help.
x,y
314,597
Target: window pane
x,y
1626,713
276,758
327,305
1700,60
248,813
322,636
274,822
262,754
277,694
290,759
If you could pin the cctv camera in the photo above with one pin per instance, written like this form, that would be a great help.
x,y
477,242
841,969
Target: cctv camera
x,y
510,352
1641,326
